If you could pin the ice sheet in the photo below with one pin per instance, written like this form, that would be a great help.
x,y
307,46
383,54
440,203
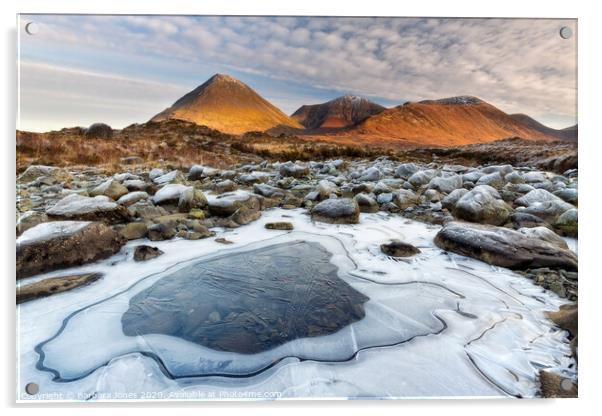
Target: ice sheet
x,y
436,324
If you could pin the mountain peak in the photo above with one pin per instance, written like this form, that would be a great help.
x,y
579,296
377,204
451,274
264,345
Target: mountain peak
x,y
457,100
339,112
228,105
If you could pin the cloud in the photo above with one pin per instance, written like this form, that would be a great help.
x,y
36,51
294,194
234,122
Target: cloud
x,y
520,65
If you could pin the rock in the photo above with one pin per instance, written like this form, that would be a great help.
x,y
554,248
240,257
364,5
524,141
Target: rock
x,y
191,198
501,169
59,244
431,195
146,210
532,177
197,213
326,188
195,173
405,170
225,186
134,230
524,220
83,208
568,223
244,215
422,177
543,204
494,180
281,225
397,248
503,247
514,177
446,184
34,172
337,211
222,240
294,170
160,232
155,173
449,201
482,204
568,194
30,219
554,385
405,199
136,185
227,204
371,174
566,318
132,198
99,131
170,177
366,203
143,253
365,188
54,285
267,190
545,234
111,188
169,194
385,198
472,176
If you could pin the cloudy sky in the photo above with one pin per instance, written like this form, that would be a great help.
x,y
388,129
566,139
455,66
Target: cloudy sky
x,y
77,70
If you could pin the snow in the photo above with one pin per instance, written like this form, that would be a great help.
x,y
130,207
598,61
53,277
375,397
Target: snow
x,y
50,230
169,192
436,325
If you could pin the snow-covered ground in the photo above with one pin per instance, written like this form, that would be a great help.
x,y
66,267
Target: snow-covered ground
x,y
436,324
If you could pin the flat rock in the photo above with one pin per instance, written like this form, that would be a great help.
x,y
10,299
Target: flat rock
x,y
503,247
59,244
280,225
54,285
144,252
337,211
83,208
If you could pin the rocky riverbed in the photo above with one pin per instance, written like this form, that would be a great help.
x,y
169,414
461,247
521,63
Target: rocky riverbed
x,y
439,276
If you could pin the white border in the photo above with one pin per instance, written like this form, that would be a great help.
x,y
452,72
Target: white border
x,y
590,108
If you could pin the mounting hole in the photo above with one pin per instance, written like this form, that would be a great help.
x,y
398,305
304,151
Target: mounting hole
x,y
566,32
31,28
32,388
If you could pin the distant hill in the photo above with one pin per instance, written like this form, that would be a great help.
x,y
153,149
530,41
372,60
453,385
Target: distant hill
x,y
450,121
569,133
340,112
228,105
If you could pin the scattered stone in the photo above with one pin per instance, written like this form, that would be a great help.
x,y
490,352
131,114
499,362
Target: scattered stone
x,y
422,177
132,198
136,185
371,174
267,190
397,248
59,244
143,253
160,232
244,215
34,172
170,177
225,186
281,225
449,201
494,180
406,170
294,170
366,203
446,184
227,204
337,211
54,285
568,223
405,199
503,247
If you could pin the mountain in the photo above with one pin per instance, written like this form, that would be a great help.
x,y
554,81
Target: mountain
x,y
569,133
228,105
340,112
447,122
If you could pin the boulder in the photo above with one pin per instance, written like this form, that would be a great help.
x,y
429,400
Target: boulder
x,y
267,190
99,131
59,244
326,188
226,185
397,248
372,174
170,177
494,180
446,184
422,177
482,204
227,204
553,385
294,170
543,204
545,234
136,185
568,223
161,231
449,201
503,247
337,211
366,203
30,219
244,215
83,208
143,253
405,198
34,172
132,197
569,195
54,285
111,188
524,220
134,230
405,170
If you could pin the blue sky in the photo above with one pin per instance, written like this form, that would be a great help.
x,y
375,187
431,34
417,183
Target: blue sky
x,y
80,69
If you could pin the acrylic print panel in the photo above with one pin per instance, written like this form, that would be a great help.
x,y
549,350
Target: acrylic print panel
x,y
262,208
